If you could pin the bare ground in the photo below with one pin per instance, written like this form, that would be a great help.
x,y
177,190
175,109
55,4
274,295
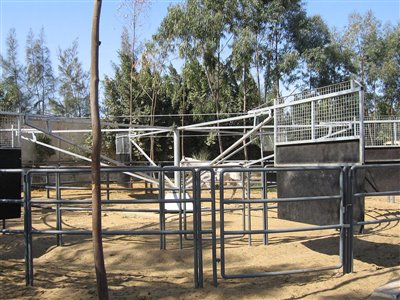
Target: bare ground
x,y
138,269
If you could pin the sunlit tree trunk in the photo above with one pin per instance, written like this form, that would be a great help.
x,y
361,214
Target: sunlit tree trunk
x,y
246,157
101,276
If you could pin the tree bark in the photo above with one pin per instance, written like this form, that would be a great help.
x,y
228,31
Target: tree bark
x,y
101,276
246,156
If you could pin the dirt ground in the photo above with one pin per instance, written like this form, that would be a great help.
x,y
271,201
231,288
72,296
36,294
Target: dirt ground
x,y
138,269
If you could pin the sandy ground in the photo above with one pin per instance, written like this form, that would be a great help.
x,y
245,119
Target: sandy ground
x,y
138,269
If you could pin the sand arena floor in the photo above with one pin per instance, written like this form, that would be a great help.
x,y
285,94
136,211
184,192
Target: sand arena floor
x,y
138,269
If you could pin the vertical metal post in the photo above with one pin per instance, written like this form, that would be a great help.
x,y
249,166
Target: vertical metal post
x,y
58,209
161,197
361,122
184,205
264,179
248,197
19,130
181,207
197,202
243,197
195,231
348,219
28,231
12,136
222,222
313,120
261,146
213,229
47,185
108,185
177,157
342,186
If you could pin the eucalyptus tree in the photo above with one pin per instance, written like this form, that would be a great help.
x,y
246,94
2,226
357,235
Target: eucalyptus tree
x,y
389,72
196,29
132,12
363,36
98,255
150,81
73,85
323,58
13,77
121,87
40,78
275,24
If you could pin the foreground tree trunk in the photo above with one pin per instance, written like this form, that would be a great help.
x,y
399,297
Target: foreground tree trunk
x,y
101,276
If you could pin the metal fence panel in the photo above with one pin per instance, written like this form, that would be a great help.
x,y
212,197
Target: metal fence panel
x,y
324,114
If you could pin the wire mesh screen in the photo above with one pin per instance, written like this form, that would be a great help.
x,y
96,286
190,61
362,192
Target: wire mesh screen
x,y
329,113
384,132
9,131
267,139
326,90
122,144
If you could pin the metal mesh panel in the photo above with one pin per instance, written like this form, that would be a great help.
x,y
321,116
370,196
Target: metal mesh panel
x,y
9,131
326,90
337,117
329,113
294,123
267,140
382,133
122,144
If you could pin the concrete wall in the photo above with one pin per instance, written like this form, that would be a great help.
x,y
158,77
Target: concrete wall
x,y
30,157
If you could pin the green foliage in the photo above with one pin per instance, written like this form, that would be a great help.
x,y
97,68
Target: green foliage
x,y
375,54
40,78
12,95
42,152
203,154
73,85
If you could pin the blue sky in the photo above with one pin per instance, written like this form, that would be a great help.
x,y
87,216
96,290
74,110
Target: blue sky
x,y
66,20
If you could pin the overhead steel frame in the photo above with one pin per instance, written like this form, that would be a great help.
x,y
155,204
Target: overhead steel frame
x,y
261,119
350,127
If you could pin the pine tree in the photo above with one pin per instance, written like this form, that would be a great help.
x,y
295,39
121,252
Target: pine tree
x,y
73,84
13,95
40,78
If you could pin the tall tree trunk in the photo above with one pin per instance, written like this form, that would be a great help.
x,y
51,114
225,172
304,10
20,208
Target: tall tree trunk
x,y
246,157
152,124
101,276
258,72
182,136
221,147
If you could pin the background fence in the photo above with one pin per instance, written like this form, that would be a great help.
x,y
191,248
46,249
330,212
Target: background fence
x,y
324,114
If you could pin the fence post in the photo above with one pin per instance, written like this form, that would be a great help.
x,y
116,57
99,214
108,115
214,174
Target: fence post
x,y
58,208
199,229
214,227
195,230
28,231
348,221
161,197
264,179
222,221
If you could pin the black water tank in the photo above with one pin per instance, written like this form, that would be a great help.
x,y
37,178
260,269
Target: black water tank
x,y
10,183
